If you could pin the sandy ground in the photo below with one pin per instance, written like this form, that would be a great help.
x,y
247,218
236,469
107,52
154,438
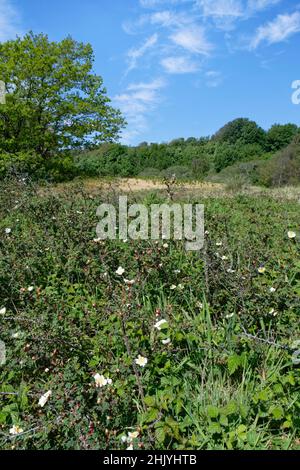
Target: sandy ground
x,y
205,189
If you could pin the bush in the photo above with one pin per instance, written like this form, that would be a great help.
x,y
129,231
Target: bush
x,y
283,169
150,173
24,164
181,172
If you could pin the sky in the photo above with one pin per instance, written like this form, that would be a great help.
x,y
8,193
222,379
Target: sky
x,y
179,68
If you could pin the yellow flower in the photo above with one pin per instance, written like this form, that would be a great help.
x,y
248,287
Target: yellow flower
x,y
261,270
133,435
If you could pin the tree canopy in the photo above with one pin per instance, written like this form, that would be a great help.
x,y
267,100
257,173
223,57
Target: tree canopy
x,y
242,131
54,101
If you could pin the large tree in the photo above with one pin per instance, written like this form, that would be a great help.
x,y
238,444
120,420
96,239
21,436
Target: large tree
x,y
242,131
54,101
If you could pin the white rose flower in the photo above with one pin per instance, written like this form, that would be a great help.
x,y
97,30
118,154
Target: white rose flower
x,y
44,398
141,361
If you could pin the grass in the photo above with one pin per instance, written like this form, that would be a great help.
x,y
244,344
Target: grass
x,y
225,380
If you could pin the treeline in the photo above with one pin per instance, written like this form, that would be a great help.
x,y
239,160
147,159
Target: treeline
x,y
240,141
240,151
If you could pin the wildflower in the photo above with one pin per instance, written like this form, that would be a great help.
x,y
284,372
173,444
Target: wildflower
x,y
125,241
15,335
3,311
100,380
165,245
272,289
273,312
44,398
261,270
224,258
141,361
291,234
30,289
15,430
230,315
124,439
219,244
173,287
128,282
180,286
8,231
130,447
133,435
120,271
159,324
47,370
166,341
230,271
177,271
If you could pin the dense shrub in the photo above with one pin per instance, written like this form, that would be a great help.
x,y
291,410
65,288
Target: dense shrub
x,y
24,164
283,169
279,136
219,372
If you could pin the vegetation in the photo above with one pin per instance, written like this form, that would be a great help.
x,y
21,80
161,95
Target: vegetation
x,y
218,329
54,102
127,344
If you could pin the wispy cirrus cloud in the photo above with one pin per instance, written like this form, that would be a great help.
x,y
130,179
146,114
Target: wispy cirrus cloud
x,y
137,103
221,8
179,65
158,3
9,20
213,78
258,5
278,30
134,54
193,39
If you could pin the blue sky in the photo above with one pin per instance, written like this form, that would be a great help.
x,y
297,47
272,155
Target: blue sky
x,y
179,68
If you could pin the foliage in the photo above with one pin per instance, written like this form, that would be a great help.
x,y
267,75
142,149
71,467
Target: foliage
x,y
279,136
283,169
242,131
53,100
226,378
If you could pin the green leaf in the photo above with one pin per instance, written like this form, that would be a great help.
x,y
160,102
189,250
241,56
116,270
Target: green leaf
x,y
213,411
233,363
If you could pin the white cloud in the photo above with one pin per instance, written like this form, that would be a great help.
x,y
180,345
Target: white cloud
x,y
136,53
158,3
282,27
213,78
179,65
154,85
169,18
223,13
8,21
192,39
139,100
221,8
257,5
